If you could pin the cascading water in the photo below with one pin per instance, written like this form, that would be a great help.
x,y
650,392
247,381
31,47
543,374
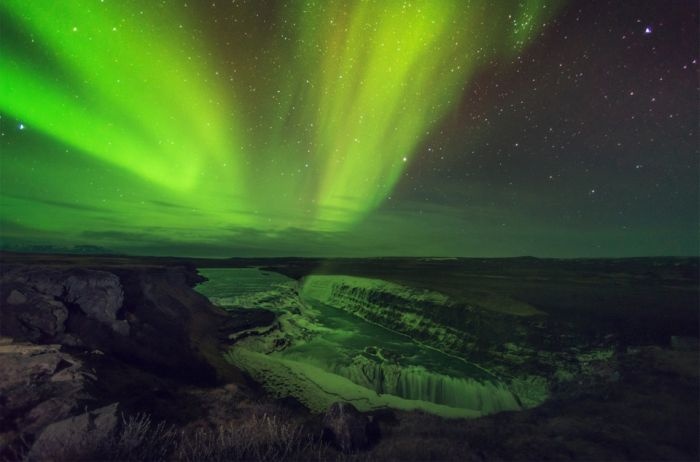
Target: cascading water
x,y
417,383
331,353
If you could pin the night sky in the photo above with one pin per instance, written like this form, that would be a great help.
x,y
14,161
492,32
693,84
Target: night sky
x,y
350,128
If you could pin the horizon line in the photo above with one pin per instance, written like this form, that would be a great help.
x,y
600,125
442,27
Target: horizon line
x,y
298,257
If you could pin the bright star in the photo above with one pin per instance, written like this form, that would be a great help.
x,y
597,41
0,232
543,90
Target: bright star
x,y
405,159
648,30
21,126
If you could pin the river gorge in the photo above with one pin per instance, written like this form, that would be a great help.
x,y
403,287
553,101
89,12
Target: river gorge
x,y
333,340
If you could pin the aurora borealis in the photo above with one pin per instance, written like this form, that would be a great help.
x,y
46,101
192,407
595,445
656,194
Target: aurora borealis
x,y
441,127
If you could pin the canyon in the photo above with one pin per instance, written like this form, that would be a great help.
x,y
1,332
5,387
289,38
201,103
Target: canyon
x,y
441,358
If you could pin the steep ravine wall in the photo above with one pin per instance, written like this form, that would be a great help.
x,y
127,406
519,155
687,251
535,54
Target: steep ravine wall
x,y
390,305
146,316
496,341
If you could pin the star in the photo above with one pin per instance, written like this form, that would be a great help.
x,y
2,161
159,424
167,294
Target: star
x,y
235,121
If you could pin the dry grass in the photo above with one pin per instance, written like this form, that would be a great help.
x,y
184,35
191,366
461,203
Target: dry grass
x,y
263,437
258,437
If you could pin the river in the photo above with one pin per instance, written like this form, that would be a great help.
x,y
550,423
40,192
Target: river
x,y
321,354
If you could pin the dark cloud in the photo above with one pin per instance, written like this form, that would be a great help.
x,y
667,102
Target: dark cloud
x,y
57,203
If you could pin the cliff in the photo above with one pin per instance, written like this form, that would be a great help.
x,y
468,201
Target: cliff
x,y
148,316
80,337
532,353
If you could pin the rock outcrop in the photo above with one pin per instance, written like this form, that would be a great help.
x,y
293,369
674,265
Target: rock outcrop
x,y
141,330
81,435
53,292
148,316
39,385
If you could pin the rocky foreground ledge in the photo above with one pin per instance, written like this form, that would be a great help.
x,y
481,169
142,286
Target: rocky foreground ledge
x,y
124,362
76,339
147,316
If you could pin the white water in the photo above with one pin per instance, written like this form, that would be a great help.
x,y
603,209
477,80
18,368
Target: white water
x,y
332,355
417,383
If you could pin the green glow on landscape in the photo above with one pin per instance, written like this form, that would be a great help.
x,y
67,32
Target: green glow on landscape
x,y
139,123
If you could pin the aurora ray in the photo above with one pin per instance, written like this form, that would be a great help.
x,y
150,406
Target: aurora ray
x,y
308,125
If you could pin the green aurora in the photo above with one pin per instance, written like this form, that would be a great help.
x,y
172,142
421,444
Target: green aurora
x,y
186,141
137,124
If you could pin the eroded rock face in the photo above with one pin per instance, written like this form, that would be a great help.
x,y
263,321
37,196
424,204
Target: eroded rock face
x,y
99,294
16,298
346,427
142,320
46,321
147,316
40,299
76,435
39,384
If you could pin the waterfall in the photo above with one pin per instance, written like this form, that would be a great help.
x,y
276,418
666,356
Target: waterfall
x,y
370,342
417,383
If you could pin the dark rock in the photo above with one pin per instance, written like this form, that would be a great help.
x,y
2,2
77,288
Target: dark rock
x,y
147,316
46,320
39,385
346,427
99,295
241,319
51,292
76,436
16,298
45,412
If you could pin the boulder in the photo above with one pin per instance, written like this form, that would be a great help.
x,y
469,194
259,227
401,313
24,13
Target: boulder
x,y
146,316
346,427
46,319
39,385
76,437
99,295
32,372
16,298
42,297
